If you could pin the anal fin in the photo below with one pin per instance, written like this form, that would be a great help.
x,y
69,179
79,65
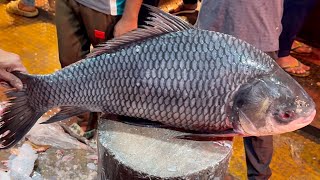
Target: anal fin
x,y
66,112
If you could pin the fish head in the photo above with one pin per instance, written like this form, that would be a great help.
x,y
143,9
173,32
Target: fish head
x,y
272,104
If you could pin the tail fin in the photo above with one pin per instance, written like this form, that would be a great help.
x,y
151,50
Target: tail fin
x,y
18,117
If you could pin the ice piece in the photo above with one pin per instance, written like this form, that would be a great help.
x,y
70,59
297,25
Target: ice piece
x,y
4,175
21,165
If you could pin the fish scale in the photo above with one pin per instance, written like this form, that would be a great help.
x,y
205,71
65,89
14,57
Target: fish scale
x,y
175,74
172,69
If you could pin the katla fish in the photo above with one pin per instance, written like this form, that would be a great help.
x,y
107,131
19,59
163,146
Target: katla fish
x,y
171,73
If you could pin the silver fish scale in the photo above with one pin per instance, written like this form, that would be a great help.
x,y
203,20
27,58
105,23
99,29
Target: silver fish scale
x,y
184,79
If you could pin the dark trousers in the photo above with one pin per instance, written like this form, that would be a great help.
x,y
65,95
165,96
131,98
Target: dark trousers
x,y
190,1
76,25
294,13
259,152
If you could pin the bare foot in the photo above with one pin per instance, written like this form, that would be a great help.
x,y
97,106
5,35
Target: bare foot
x,y
292,65
27,8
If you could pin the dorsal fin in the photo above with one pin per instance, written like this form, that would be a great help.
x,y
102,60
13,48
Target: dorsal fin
x,y
156,22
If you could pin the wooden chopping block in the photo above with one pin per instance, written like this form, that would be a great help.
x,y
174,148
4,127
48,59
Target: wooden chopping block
x,y
128,152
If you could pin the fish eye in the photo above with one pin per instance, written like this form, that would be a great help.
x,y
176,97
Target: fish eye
x,y
285,116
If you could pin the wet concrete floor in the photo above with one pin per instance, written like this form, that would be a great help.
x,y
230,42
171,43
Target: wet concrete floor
x,y
34,39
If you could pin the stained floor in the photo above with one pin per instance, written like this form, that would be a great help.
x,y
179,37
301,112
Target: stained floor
x,y
34,39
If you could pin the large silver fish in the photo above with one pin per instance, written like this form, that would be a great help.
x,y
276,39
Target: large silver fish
x,y
172,73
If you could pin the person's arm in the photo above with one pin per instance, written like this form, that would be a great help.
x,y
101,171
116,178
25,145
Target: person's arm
x,y
10,62
129,19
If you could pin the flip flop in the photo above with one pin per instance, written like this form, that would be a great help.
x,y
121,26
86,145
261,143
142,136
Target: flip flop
x,y
299,46
181,9
13,8
298,65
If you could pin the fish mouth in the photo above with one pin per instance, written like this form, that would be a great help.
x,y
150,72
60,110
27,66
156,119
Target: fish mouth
x,y
306,120
272,127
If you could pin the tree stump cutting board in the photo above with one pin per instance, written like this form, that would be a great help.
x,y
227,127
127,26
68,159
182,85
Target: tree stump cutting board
x,y
128,152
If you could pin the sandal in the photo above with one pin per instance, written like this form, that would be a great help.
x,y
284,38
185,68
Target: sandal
x,y
13,8
298,65
300,48
182,9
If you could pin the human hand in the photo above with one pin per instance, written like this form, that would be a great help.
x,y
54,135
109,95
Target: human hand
x,y
10,62
124,25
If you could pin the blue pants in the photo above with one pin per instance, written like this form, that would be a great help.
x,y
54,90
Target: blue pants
x,y
294,13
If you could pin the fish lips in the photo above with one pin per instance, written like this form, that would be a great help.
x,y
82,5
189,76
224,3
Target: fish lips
x,y
305,120
272,126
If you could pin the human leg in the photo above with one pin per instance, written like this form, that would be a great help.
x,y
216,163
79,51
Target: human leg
x,y
73,42
258,152
294,14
